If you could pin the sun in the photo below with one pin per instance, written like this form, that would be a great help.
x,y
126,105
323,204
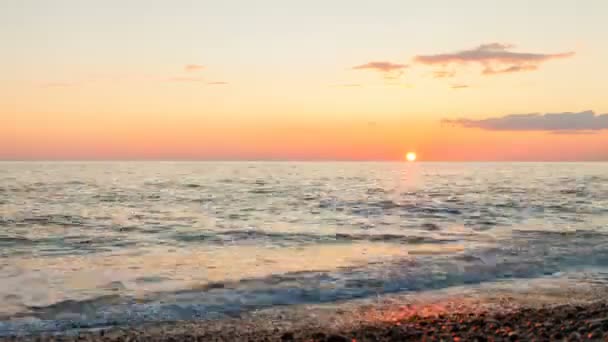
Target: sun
x,y
410,156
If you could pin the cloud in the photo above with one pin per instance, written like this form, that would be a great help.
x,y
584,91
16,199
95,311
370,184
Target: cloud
x,y
513,68
495,58
571,132
459,86
217,83
185,79
381,66
563,123
389,69
193,67
444,74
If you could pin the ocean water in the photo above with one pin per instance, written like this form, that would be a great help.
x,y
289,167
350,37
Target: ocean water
x,y
87,244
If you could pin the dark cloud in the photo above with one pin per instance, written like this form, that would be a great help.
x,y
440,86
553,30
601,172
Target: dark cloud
x,y
381,66
193,67
564,123
495,58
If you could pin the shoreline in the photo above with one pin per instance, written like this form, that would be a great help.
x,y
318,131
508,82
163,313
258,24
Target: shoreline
x,y
540,309
560,323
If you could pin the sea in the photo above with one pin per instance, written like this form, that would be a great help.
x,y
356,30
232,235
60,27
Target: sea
x,y
96,244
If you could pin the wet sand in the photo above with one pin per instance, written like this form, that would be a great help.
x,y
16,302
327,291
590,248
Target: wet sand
x,y
538,310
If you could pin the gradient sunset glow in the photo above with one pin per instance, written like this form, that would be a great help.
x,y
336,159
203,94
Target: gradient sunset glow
x,y
314,80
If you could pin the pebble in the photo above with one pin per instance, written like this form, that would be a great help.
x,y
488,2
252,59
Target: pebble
x,y
563,323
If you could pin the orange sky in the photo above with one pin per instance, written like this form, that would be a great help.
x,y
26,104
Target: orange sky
x,y
314,81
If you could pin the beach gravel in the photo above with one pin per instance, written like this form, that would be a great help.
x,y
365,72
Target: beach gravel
x,y
587,322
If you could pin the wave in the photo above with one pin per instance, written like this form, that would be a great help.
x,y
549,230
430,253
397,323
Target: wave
x,y
42,220
231,298
245,235
11,241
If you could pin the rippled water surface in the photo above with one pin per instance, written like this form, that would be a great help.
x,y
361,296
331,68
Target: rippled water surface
x,y
130,241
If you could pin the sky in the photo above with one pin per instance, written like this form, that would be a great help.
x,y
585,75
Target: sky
x,y
471,80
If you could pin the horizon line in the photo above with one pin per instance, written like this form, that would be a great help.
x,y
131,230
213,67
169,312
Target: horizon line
x,y
306,160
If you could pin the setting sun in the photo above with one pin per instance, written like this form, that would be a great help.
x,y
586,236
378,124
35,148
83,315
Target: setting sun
x,y
410,156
